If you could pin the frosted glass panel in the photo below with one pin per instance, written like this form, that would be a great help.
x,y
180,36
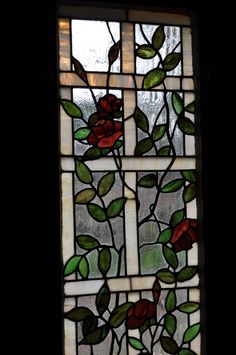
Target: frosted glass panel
x,y
91,42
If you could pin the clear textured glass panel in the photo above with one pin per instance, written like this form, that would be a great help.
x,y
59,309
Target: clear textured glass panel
x,y
171,42
91,41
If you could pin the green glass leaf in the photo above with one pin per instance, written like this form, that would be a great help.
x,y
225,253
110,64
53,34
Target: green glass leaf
x,y
158,38
89,325
186,352
170,301
144,326
85,196
87,242
82,133
113,52
143,146
191,333
83,267
171,61
177,103
189,175
83,173
71,265
92,153
104,260
78,314
158,132
105,151
117,114
170,256
188,307
177,217
105,184
170,323
166,276
97,336
169,345
79,69
103,299
141,119
173,186
189,192
186,273
71,108
115,207
191,108
96,212
186,125
153,78
145,51
149,180
164,151
93,119
136,343
165,236
118,144
119,314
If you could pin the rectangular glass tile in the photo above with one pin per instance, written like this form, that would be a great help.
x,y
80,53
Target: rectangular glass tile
x,y
67,164
65,126
187,51
187,84
127,48
83,287
131,237
64,44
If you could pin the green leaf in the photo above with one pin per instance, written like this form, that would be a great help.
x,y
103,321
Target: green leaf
x,y
145,51
189,192
105,151
188,307
170,256
191,108
83,267
171,61
143,146
191,333
104,260
80,70
170,324
153,78
103,299
97,336
83,173
149,180
89,325
96,212
186,125
173,186
136,343
177,103
144,326
78,314
169,345
105,184
141,119
118,144
165,236
177,217
189,175
119,314
186,273
71,265
158,38
82,133
71,108
85,196
186,352
92,153
166,276
115,207
87,242
170,301
113,52
164,151
158,132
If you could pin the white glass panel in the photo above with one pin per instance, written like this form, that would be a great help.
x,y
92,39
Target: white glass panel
x,y
130,179
131,237
187,51
189,145
142,283
194,294
69,337
172,83
158,17
65,126
122,284
187,84
67,164
64,44
196,344
193,255
127,48
83,287
192,209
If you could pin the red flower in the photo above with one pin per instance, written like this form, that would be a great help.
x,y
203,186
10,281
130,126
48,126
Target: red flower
x,y
105,133
184,235
139,313
108,104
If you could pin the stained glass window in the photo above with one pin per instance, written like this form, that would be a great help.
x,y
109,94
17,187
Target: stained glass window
x,y
129,183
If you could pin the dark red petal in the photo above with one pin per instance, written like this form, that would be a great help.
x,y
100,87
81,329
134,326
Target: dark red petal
x,y
117,125
177,247
134,323
101,112
109,98
151,310
156,291
99,131
92,139
179,230
193,223
185,242
108,142
105,105
109,127
193,234
130,312
141,308
116,105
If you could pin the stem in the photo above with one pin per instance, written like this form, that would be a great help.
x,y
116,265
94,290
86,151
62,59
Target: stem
x,y
144,36
114,336
108,77
108,27
120,343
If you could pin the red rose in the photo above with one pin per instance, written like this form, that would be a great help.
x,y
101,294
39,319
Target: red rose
x,y
184,235
105,133
139,313
108,104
